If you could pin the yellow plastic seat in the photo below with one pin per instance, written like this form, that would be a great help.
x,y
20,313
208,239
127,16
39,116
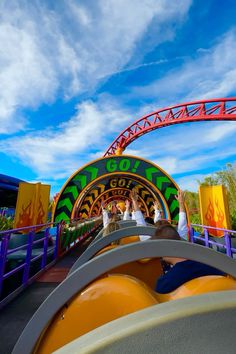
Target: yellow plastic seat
x,y
105,249
199,286
130,239
199,324
146,269
104,300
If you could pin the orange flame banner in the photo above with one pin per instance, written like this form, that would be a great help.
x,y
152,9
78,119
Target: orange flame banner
x,y
32,205
214,208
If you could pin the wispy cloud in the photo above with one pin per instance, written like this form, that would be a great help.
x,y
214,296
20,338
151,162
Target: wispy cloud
x,y
221,131
62,150
188,148
208,75
143,65
190,182
64,50
136,67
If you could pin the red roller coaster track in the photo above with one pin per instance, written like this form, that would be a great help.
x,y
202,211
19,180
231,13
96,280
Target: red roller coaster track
x,y
215,109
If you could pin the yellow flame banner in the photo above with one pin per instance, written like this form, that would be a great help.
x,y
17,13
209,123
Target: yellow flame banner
x,y
32,204
214,208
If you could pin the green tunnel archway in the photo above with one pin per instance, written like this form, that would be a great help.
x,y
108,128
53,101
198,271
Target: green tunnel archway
x,y
111,178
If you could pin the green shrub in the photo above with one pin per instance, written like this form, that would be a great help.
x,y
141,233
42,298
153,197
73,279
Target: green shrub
x,y
196,219
6,223
233,220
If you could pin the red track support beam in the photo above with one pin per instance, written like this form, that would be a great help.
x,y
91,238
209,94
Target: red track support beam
x,y
215,109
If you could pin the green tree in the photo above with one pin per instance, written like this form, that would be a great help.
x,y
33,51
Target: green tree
x,y
192,202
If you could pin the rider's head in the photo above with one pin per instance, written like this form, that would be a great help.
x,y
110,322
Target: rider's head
x,y
112,226
168,232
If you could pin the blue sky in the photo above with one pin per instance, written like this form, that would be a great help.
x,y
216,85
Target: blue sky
x,y
74,74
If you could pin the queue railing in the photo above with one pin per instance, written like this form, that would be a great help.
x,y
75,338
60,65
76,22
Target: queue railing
x,y
225,244
26,252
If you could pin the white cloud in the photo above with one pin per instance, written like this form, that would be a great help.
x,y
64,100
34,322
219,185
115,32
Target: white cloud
x,y
221,131
188,148
211,74
55,154
65,49
22,75
61,151
45,54
84,137
190,182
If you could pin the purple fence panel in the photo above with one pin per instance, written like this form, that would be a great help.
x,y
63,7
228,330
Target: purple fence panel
x,y
228,244
28,257
13,271
59,229
20,251
206,235
45,248
4,246
225,244
191,234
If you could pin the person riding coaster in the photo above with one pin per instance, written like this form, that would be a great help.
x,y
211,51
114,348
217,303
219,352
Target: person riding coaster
x,y
110,221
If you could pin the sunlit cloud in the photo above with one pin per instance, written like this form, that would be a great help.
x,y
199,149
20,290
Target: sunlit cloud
x,y
188,148
205,76
190,183
66,52
62,51
62,150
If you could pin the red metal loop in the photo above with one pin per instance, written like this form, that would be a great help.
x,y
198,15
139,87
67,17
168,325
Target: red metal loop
x,y
207,110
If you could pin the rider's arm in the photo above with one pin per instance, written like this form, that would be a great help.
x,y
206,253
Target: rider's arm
x,y
138,215
157,212
105,217
126,215
182,225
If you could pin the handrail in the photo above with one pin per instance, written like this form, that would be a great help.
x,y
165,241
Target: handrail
x,y
27,254
78,234
28,227
209,241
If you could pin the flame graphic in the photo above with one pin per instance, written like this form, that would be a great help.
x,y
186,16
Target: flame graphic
x,y
41,213
32,214
215,217
26,216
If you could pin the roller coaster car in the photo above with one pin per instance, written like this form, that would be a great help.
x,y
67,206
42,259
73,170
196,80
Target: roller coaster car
x,y
93,312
